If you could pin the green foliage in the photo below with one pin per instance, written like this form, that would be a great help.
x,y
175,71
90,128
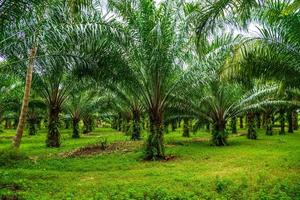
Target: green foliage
x,y
10,156
263,169
158,62
103,143
219,137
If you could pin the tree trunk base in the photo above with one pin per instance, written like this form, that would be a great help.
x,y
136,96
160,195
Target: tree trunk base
x,y
53,141
219,138
75,134
53,137
155,148
252,135
281,132
269,132
219,141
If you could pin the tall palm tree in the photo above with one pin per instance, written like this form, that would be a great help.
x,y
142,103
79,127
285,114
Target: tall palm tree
x,y
21,33
157,34
54,85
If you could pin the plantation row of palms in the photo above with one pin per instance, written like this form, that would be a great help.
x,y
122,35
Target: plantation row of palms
x,y
142,65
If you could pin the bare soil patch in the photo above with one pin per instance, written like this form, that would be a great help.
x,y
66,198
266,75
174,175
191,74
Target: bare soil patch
x,y
123,147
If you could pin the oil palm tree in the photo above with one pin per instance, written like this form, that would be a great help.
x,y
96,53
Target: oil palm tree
x,y
47,33
273,52
80,105
18,36
222,98
54,85
36,108
10,99
157,34
223,101
218,16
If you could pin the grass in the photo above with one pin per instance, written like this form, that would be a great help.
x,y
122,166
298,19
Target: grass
x,y
268,168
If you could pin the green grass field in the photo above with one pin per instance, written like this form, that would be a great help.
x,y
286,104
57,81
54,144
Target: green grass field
x,y
268,168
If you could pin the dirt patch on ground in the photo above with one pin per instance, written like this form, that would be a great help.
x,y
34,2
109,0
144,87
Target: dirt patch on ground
x,y
195,140
123,147
239,134
169,158
5,197
13,187
200,139
6,137
10,186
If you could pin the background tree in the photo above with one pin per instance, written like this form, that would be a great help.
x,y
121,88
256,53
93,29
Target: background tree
x,y
35,112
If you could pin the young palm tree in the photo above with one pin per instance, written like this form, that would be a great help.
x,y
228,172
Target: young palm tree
x,y
220,98
126,104
222,102
35,112
81,104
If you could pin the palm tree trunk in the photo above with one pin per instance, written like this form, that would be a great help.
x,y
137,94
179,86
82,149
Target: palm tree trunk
x,y
7,121
16,122
53,137
155,145
241,122
251,134
269,125
32,124
219,134
295,120
173,125
22,118
119,122
75,124
88,124
233,125
67,123
38,123
186,130
282,121
208,126
136,129
166,127
114,123
290,121
126,125
179,123
258,119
